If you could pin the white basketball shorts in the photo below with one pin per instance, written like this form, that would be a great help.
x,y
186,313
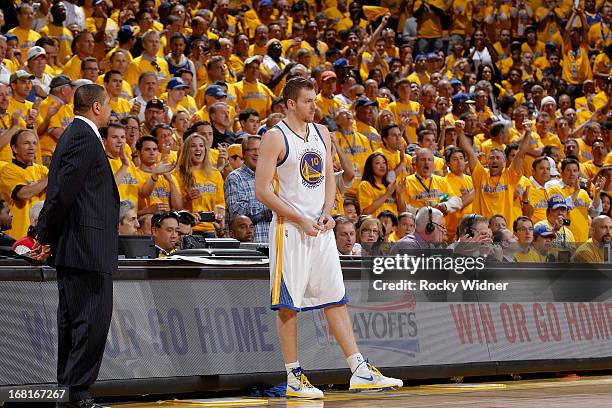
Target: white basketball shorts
x,y
305,271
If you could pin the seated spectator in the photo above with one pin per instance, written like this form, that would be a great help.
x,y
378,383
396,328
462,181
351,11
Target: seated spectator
x,y
543,237
165,226
592,251
508,243
25,244
346,236
405,226
145,224
523,230
241,228
350,211
430,230
186,223
239,192
557,221
476,238
497,223
128,221
370,233
389,222
6,222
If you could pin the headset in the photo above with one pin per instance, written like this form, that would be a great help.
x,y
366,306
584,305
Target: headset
x,y
430,226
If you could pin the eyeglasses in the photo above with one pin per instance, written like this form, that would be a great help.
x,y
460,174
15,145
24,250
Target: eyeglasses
x,y
132,128
442,227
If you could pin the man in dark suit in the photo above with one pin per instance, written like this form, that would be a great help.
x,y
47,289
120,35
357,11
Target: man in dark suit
x,y
77,228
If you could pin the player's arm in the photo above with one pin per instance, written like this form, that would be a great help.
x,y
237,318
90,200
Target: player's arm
x,y
517,163
271,150
330,182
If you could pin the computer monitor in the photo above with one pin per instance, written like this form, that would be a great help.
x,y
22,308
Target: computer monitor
x,y
136,246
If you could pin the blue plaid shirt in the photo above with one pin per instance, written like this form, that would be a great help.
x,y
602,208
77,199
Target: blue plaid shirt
x,y
239,189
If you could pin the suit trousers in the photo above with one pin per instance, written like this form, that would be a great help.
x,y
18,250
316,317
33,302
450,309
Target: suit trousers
x,y
83,320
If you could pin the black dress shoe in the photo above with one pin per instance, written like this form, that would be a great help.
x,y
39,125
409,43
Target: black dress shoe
x,y
88,403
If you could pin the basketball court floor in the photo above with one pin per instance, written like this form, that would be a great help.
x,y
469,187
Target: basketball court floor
x,y
587,392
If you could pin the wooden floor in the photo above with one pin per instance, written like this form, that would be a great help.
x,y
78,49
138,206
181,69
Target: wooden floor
x,y
587,392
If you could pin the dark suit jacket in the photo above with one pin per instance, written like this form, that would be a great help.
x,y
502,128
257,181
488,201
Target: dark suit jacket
x,y
81,213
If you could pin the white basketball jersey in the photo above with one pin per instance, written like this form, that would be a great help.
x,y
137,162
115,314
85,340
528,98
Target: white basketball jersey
x,y
300,176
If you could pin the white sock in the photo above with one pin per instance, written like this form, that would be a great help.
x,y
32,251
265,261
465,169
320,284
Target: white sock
x,y
354,361
291,366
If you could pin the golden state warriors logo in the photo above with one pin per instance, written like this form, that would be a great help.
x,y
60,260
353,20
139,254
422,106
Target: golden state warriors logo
x,y
311,169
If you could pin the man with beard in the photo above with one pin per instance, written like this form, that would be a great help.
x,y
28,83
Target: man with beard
x,y
592,251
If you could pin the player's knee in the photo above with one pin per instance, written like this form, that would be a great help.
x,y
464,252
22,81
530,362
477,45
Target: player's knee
x,y
286,314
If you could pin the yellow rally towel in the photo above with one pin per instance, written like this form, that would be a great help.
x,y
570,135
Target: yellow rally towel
x,y
373,12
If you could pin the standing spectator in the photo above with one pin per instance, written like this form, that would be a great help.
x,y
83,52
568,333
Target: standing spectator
x,y
149,62
221,124
82,47
124,170
239,192
250,93
24,32
24,181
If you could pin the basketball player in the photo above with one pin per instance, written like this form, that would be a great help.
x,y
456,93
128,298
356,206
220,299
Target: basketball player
x,y
295,179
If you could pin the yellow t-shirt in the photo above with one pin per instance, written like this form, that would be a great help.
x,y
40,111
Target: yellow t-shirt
x,y
120,107
394,159
409,111
494,195
61,119
357,148
160,193
27,38
130,183
461,185
371,133
552,140
579,215
588,253
576,65
6,153
599,35
530,256
538,198
430,25
590,169
461,23
72,68
585,151
15,175
64,37
369,193
328,106
255,96
141,64
211,194
420,192
564,235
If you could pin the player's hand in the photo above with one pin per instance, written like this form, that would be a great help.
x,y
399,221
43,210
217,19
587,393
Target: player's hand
x,y
326,221
310,227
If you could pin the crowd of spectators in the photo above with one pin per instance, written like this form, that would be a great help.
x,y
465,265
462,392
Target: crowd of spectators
x,y
486,120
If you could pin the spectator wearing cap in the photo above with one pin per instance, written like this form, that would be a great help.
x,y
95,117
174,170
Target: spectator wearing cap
x,y
37,62
178,99
21,85
24,32
556,220
239,190
128,221
56,113
23,180
275,66
234,156
325,99
212,95
158,188
578,204
55,28
250,93
533,45
249,122
365,119
406,112
576,65
543,241
154,114
113,81
592,251
82,47
165,227
149,61
356,146
124,170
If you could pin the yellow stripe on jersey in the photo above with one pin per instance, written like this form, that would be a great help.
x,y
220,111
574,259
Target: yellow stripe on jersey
x,y
279,262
